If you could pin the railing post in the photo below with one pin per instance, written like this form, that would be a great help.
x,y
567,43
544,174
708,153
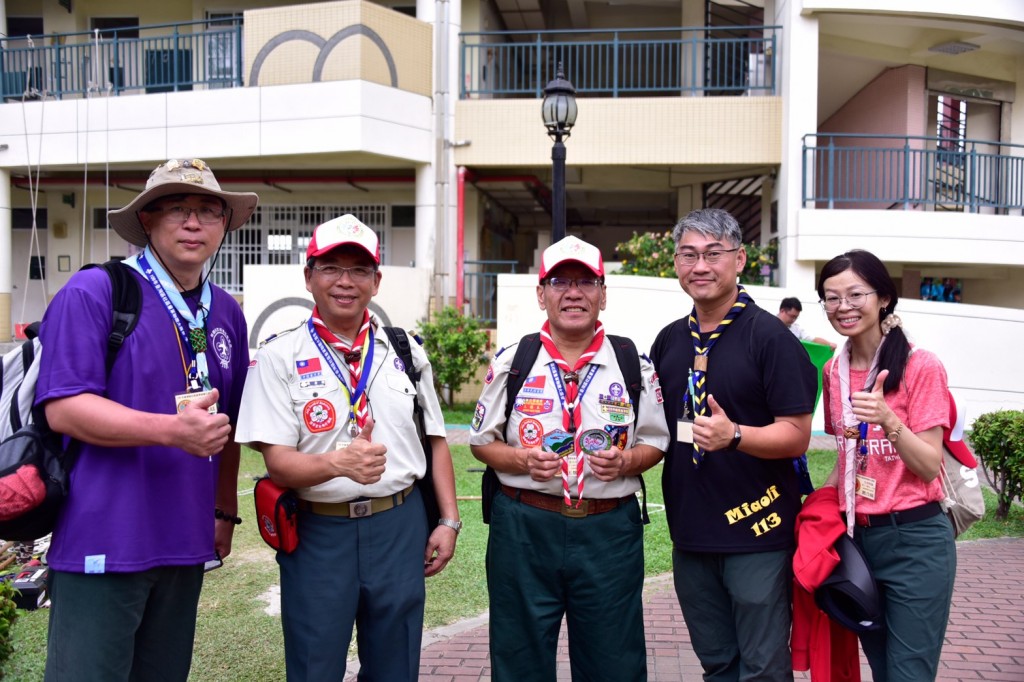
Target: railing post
x,y
238,54
831,172
174,58
117,75
615,64
57,70
973,174
541,79
906,175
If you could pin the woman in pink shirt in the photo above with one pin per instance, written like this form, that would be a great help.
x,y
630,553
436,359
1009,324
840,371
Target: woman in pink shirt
x,y
886,404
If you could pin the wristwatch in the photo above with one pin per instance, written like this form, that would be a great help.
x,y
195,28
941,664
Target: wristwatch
x,y
451,523
736,436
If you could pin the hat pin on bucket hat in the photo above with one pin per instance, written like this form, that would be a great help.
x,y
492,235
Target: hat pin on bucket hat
x,y
180,176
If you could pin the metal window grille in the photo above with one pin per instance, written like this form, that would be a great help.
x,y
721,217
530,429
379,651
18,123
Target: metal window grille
x,y
279,235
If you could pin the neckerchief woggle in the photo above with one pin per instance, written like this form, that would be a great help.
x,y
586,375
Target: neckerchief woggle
x,y
700,365
174,303
570,398
356,417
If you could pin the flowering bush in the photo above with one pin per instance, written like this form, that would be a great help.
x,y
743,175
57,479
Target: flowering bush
x,y
650,254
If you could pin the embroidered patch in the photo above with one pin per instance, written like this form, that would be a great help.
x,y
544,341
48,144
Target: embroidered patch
x,y
593,440
558,442
614,409
534,384
619,435
534,406
489,377
313,383
308,368
319,415
615,390
221,346
657,395
654,379
478,415
531,433
252,363
399,365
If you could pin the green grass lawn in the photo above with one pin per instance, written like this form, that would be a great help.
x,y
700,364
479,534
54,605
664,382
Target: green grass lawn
x,y
238,640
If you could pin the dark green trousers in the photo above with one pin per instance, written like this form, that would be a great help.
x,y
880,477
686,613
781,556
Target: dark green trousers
x,y
114,627
737,611
542,565
915,567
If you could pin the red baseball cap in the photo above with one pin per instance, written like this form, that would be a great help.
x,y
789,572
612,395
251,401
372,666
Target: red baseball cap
x,y
953,437
340,231
571,250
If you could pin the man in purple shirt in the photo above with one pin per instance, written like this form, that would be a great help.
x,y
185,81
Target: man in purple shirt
x,y
153,492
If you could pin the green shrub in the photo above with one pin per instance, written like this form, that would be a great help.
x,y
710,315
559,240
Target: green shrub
x,y
759,257
649,254
455,345
8,614
998,440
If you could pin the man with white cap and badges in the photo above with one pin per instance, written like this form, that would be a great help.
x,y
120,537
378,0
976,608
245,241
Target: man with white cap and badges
x,y
153,492
566,535
330,406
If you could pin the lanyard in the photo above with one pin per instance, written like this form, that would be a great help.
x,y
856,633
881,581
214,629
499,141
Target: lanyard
x,y
570,409
177,309
366,363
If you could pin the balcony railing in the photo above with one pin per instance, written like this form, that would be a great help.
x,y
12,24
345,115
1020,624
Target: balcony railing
x,y
913,173
157,58
654,62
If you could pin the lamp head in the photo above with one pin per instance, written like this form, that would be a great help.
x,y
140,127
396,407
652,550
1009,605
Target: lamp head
x,y
559,107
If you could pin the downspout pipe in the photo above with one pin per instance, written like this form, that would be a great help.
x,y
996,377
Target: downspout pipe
x,y
460,240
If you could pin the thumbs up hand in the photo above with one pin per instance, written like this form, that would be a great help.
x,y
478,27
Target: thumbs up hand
x,y
361,460
870,406
714,431
198,431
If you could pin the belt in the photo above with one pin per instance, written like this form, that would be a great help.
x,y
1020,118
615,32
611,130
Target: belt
x,y
554,503
897,518
356,509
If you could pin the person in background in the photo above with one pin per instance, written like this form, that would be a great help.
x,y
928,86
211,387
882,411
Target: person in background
x,y
739,391
153,491
330,406
886,403
566,536
789,311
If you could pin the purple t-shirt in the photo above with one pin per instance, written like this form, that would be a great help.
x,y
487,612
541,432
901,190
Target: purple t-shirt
x,y
135,508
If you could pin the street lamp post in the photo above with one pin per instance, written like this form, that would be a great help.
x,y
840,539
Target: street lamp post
x,y
559,113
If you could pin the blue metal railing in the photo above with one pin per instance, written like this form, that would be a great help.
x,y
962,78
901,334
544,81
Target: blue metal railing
x,y
481,287
163,58
620,63
909,172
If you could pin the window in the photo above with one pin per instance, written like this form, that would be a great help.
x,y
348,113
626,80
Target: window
x,y
19,27
21,218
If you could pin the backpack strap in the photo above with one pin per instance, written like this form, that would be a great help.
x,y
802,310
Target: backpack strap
x,y
526,354
628,358
127,304
28,356
400,342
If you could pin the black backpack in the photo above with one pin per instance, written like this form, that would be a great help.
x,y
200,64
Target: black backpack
x,y
31,442
526,354
400,341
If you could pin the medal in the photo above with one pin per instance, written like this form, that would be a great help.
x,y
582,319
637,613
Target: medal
x,y
197,339
353,428
700,363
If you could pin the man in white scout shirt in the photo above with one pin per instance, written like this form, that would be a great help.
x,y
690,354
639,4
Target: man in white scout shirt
x,y
566,536
330,406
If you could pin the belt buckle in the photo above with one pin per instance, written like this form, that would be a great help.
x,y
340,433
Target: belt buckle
x,y
574,512
360,509
863,520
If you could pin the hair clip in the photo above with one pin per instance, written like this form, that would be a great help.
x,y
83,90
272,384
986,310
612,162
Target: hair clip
x,y
891,322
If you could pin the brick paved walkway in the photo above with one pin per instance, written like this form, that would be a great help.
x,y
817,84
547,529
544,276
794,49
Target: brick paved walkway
x,y
984,641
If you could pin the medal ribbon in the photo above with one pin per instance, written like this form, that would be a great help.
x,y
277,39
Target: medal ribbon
x,y
356,361
569,394
194,338
700,375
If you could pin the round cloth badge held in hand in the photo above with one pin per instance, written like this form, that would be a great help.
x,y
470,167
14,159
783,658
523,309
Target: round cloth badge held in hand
x,y
593,440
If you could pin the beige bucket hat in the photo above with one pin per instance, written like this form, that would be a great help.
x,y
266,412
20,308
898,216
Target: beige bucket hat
x,y
180,176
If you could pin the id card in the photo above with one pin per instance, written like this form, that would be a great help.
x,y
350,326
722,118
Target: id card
x,y
182,400
342,444
865,487
684,431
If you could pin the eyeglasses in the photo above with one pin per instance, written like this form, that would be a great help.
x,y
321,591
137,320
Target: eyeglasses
x,y
690,258
855,300
587,285
206,215
332,273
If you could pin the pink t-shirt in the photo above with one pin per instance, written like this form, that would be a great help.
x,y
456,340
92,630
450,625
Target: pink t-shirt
x,y
885,484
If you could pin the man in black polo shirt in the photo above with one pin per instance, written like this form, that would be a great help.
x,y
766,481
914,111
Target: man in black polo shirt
x,y
739,391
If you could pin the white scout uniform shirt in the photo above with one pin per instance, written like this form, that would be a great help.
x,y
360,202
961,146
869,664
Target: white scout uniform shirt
x,y
293,398
537,412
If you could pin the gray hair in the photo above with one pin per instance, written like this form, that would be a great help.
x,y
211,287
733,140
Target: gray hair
x,y
713,223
